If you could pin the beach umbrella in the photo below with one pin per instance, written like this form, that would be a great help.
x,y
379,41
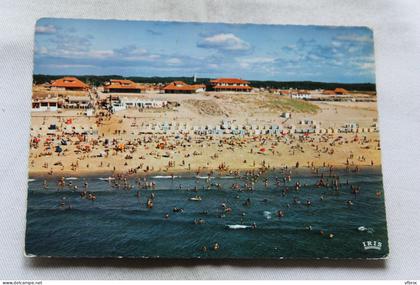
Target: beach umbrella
x,y
262,149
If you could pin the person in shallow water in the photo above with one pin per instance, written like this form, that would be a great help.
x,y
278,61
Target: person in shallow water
x,y
280,214
247,202
216,246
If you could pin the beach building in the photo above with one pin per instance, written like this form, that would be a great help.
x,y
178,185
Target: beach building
x,y
300,94
230,84
307,122
286,115
308,130
123,86
69,84
341,91
349,128
79,102
336,91
89,112
139,103
182,87
47,104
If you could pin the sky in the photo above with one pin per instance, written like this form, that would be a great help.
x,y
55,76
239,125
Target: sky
x,y
247,51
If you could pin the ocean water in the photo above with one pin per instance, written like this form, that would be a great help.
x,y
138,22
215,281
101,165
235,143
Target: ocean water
x,y
118,223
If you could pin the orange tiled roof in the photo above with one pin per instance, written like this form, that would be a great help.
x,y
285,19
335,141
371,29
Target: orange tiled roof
x,y
232,87
121,81
69,82
123,84
229,81
182,86
341,90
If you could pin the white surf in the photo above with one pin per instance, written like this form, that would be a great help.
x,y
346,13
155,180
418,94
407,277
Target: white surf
x,y
164,177
71,178
106,178
237,227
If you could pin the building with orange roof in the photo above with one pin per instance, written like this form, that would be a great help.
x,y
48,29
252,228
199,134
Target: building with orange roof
x,y
230,84
69,83
341,91
123,86
284,92
182,87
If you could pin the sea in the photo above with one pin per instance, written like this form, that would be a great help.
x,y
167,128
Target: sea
x,y
60,223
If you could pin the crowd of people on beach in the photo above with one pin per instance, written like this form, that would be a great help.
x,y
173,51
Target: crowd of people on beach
x,y
158,152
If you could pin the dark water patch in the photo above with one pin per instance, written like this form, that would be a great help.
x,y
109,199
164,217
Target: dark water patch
x,y
118,223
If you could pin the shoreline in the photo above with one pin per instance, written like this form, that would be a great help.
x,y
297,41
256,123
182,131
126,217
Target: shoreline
x,y
203,172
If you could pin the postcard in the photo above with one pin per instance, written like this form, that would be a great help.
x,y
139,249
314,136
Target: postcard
x,y
154,139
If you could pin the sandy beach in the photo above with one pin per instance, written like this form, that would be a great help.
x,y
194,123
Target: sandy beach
x,y
131,142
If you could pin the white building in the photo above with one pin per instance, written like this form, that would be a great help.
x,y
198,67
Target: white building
x,y
82,102
125,103
47,104
300,94
286,115
307,122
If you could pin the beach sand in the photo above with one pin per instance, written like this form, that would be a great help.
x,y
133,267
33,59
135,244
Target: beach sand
x,y
202,154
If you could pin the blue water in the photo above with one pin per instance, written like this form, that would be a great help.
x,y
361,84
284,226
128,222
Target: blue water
x,y
118,223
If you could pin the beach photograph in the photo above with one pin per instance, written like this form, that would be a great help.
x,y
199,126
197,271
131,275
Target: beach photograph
x,y
154,139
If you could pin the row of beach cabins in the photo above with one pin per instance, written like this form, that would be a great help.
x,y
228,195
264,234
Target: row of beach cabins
x,y
225,128
304,127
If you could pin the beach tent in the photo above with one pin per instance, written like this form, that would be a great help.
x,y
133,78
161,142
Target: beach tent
x,y
121,146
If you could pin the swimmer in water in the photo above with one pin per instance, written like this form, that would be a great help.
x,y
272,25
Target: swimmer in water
x,y
216,247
